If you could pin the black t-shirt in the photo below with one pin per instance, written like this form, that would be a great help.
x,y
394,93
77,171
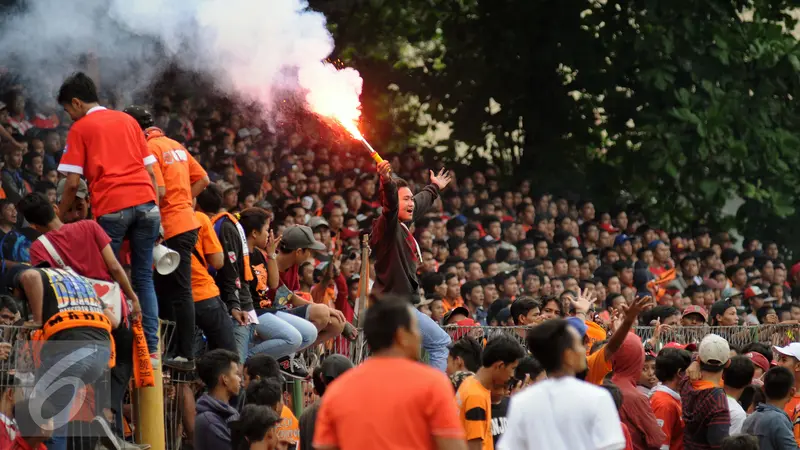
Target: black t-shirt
x,y
499,420
259,286
64,291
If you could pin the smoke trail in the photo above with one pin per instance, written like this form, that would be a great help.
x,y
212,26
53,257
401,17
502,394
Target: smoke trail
x,y
251,48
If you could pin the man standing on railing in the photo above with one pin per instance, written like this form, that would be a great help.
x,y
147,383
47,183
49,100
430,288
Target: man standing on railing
x,y
108,149
397,252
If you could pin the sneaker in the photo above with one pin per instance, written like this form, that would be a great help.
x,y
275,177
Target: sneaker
x,y
155,360
180,363
293,367
109,441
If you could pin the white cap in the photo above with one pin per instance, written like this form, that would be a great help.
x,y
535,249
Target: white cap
x,y
714,350
792,350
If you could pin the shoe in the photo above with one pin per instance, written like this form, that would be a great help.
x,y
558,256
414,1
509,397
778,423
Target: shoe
x,y
109,441
155,360
293,367
180,363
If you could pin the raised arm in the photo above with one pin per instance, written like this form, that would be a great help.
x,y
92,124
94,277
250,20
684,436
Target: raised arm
x,y
425,198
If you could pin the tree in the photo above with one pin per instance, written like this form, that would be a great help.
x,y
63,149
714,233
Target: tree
x,y
675,105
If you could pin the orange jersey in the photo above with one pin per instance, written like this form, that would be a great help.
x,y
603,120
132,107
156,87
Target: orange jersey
x,y
108,149
288,428
598,366
475,409
667,409
176,170
792,408
203,285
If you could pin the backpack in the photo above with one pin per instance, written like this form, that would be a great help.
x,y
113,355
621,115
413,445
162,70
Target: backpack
x,y
20,252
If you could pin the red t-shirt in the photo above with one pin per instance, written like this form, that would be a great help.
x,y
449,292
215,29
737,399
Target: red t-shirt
x,y
108,148
80,245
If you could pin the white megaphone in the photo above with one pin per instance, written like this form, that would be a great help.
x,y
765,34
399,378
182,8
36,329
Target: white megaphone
x,y
165,259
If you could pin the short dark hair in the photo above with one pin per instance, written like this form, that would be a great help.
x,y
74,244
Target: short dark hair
x,y
739,372
8,302
37,209
401,183
548,341
80,86
262,366
210,200
670,361
43,186
383,319
501,348
252,425
528,366
521,307
466,288
740,442
266,391
213,364
253,219
778,382
28,158
469,351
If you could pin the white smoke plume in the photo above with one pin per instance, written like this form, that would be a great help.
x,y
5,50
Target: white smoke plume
x,y
251,48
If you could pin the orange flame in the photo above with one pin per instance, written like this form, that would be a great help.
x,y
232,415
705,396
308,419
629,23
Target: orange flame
x,y
334,94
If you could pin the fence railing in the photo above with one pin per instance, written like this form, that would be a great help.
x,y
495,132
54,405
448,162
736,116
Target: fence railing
x,y
181,388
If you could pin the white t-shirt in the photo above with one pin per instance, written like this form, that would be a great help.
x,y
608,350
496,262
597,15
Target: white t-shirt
x,y
737,416
563,414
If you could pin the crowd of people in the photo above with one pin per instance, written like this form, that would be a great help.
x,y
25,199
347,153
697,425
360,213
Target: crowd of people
x,y
266,225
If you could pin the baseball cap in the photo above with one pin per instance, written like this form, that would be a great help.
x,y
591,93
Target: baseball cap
x,y
755,291
714,350
608,227
690,347
487,241
759,360
694,309
595,331
455,311
621,239
296,237
792,350
578,324
316,222
729,293
795,267
333,366
83,189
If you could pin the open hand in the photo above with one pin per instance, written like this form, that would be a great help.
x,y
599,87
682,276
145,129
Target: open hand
x,y
442,179
584,302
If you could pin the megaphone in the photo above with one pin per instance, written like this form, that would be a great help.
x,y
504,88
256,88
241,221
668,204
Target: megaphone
x,y
165,259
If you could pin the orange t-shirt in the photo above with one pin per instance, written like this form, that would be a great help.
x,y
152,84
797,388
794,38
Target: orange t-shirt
x,y
203,285
452,304
176,171
792,410
598,367
108,148
288,428
359,412
667,410
475,411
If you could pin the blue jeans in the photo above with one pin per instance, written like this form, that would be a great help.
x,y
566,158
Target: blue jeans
x,y
434,340
140,224
283,334
242,334
66,365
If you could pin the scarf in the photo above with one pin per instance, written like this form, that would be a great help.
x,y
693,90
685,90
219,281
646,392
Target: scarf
x,y
248,273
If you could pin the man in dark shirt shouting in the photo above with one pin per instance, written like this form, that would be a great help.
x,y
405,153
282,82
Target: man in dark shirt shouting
x,y
397,253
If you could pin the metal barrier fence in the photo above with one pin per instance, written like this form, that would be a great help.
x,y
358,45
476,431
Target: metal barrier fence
x,y
182,388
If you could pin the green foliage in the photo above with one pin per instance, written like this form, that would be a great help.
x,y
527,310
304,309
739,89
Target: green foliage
x,y
676,105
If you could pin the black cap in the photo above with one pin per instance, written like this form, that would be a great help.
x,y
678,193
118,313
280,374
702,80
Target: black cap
x,y
459,310
333,366
141,114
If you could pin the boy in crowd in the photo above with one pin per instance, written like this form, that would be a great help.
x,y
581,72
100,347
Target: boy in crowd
x,y
769,423
397,252
738,375
705,405
671,364
219,371
474,396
